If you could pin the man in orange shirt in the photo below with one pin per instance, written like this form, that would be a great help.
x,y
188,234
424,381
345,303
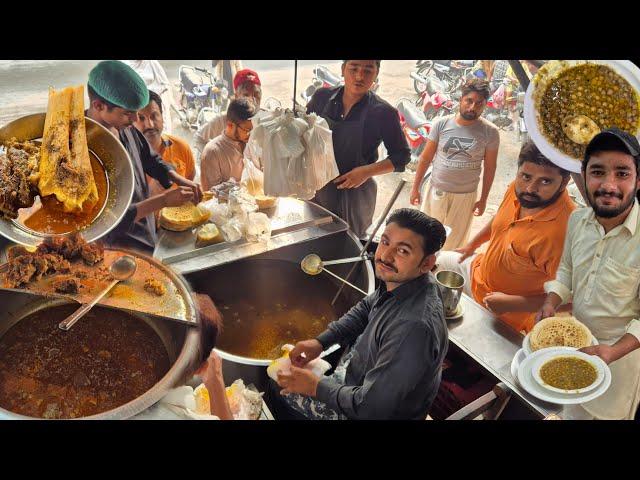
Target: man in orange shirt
x,y
526,237
172,149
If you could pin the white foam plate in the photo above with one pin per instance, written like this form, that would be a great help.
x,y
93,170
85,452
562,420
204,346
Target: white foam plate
x,y
626,69
526,344
594,360
518,358
527,382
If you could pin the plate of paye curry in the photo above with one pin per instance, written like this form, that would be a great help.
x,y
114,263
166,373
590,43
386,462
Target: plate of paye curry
x,y
544,373
558,332
568,102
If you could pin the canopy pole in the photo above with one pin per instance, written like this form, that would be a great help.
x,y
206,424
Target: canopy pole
x,y
295,84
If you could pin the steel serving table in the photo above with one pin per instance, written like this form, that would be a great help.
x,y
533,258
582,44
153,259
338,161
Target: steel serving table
x,y
493,344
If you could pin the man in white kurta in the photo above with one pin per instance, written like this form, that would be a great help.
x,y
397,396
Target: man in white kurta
x,y
600,269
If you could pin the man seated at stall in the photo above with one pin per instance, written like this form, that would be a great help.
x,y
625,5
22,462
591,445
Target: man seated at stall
x,y
246,84
223,157
173,150
525,243
116,93
398,336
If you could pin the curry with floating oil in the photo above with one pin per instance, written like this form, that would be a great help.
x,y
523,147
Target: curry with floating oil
x,y
290,307
106,360
47,214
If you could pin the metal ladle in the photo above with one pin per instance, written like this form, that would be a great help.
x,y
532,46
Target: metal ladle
x,y
122,269
312,264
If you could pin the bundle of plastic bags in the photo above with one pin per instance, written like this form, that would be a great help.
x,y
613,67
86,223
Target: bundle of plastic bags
x,y
296,153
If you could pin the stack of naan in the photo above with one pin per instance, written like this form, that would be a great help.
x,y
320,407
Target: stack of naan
x,y
184,217
559,332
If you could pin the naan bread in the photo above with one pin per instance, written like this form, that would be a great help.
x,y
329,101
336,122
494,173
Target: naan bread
x,y
559,332
184,217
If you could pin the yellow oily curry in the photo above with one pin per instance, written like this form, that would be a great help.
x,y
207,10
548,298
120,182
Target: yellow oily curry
x,y
592,91
568,373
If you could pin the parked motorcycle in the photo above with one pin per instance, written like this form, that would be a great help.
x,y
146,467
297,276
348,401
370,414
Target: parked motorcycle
x,y
452,73
202,96
324,78
434,102
415,125
502,101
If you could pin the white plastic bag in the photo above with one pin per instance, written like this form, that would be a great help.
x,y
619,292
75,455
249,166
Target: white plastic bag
x,y
219,212
318,366
233,230
183,401
318,141
252,178
241,202
258,227
245,403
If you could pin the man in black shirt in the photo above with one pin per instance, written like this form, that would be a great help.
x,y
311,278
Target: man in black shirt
x,y
394,369
116,93
360,121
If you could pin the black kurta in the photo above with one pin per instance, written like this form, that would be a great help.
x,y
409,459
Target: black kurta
x,y
356,139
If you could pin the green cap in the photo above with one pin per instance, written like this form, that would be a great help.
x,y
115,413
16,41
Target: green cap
x,y
119,84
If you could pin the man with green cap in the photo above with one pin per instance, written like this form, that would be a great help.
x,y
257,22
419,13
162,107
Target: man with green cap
x,y
116,93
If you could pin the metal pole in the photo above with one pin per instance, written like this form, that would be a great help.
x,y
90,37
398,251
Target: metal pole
x,y
295,84
383,217
579,181
520,73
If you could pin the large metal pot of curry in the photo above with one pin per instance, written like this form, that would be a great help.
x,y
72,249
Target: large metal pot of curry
x,y
113,364
267,301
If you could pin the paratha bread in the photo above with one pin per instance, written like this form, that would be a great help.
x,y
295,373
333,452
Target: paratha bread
x,y
184,217
559,332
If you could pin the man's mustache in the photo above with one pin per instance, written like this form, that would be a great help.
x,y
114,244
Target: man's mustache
x,y
151,130
601,193
535,196
387,265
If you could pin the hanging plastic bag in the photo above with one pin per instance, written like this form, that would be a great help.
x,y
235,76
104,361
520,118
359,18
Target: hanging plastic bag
x,y
252,178
318,141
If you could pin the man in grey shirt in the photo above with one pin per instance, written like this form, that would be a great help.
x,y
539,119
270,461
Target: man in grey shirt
x,y
460,147
393,370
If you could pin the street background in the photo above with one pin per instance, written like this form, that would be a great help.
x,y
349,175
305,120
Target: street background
x,y
24,90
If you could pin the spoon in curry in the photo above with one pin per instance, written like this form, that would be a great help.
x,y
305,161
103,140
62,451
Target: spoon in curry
x,y
122,269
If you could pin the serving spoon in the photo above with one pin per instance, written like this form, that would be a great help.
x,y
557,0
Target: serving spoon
x,y
122,269
312,264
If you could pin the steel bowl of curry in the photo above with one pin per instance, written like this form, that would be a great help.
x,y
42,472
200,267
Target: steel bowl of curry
x,y
569,101
112,364
37,216
569,373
